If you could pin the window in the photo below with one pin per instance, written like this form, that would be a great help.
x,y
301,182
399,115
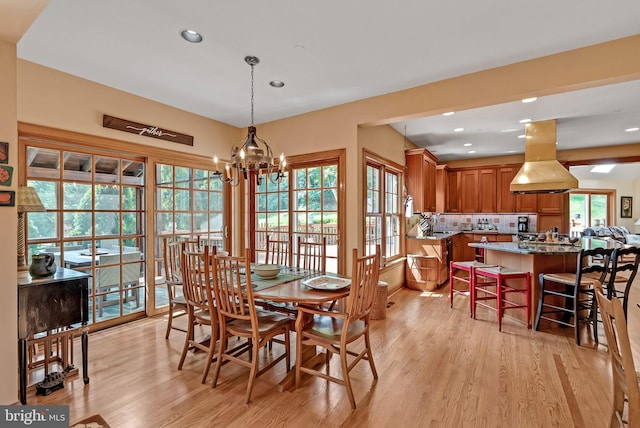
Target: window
x,y
189,205
589,208
382,208
305,205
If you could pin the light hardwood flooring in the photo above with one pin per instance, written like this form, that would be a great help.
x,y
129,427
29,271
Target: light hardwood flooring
x,y
437,368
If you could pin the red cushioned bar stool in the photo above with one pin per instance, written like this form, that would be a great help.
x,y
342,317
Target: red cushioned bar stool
x,y
491,282
456,270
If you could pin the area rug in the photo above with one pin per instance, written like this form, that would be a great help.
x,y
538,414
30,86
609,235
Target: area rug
x,y
94,421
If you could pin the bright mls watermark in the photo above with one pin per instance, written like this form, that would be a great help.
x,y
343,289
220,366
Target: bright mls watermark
x,y
34,416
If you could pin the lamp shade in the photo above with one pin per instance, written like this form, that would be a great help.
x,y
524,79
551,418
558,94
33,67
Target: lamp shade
x,y
28,200
637,223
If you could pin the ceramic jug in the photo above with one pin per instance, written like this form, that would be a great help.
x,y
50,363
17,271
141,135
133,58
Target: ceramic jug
x,y
43,264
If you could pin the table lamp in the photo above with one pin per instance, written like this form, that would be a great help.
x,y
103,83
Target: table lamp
x,y
28,201
637,223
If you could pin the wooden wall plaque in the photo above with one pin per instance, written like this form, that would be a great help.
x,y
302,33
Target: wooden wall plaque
x,y
146,130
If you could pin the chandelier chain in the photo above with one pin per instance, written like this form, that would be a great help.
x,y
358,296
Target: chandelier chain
x,y
252,94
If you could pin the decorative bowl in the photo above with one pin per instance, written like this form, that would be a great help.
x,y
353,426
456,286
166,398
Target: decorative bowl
x,y
266,271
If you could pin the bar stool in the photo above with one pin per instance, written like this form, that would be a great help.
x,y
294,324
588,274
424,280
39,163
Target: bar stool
x,y
497,289
468,267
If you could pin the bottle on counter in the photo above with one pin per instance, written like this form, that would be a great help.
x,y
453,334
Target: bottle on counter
x,y
554,234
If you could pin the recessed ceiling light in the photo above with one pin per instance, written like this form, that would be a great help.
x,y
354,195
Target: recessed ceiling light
x,y
191,36
603,169
458,130
529,100
525,121
277,83
509,130
471,151
468,144
632,129
449,113
511,151
521,136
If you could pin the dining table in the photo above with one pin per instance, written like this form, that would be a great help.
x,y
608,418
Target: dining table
x,y
296,286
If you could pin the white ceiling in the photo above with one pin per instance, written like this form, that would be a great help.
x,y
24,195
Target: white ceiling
x,y
336,51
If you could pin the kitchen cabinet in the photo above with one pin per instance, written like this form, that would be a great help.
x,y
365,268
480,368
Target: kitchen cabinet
x,y
468,191
505,200
452,190
456,247
427,263
527,203
552,203
442,188
487,190
466,253
421,179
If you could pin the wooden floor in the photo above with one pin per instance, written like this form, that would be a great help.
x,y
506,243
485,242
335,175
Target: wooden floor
x,y
437,367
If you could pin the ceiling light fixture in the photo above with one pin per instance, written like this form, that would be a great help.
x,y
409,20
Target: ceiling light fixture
x,y
525,121
603,169
277,83
251,157
449,113
468,144
458,130
191,36
471,151
529,100
632,129
521,136
509,130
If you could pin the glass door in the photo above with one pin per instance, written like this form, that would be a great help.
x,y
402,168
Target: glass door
x,y
94,222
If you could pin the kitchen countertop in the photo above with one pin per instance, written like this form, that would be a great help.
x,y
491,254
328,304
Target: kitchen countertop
x,y
448,234
530,247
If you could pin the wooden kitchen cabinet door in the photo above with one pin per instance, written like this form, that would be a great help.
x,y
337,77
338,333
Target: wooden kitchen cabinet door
x,y
469,191
487,190
552,203
527,203
505,200
421,179
453,194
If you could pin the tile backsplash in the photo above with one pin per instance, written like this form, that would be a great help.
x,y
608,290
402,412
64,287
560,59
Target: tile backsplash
x,y
504,223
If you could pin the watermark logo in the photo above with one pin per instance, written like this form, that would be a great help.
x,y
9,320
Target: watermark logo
x,y
34,416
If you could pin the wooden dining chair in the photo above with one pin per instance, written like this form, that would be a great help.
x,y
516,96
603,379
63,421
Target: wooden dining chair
x,y
337,331
173,279
277,252
238,314
625,378
312,255
201,307
624,267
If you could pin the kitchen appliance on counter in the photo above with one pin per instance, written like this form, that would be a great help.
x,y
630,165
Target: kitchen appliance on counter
x,y
523,224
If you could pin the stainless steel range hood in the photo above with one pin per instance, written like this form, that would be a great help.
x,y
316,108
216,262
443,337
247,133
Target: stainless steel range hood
x,y
541,172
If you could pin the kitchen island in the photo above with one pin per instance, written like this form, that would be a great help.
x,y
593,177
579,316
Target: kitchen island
x,y
537,258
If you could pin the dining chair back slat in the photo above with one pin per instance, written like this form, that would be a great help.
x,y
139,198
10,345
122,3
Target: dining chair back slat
x,y
277,252
625,378
312,255
232,288
195,274
364,280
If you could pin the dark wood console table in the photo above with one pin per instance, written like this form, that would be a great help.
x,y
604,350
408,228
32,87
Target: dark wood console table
x,y
46,304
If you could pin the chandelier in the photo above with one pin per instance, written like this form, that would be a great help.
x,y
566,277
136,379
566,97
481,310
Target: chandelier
x,y
254,156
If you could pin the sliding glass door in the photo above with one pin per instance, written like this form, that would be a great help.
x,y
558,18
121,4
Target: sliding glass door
x,y
94,222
